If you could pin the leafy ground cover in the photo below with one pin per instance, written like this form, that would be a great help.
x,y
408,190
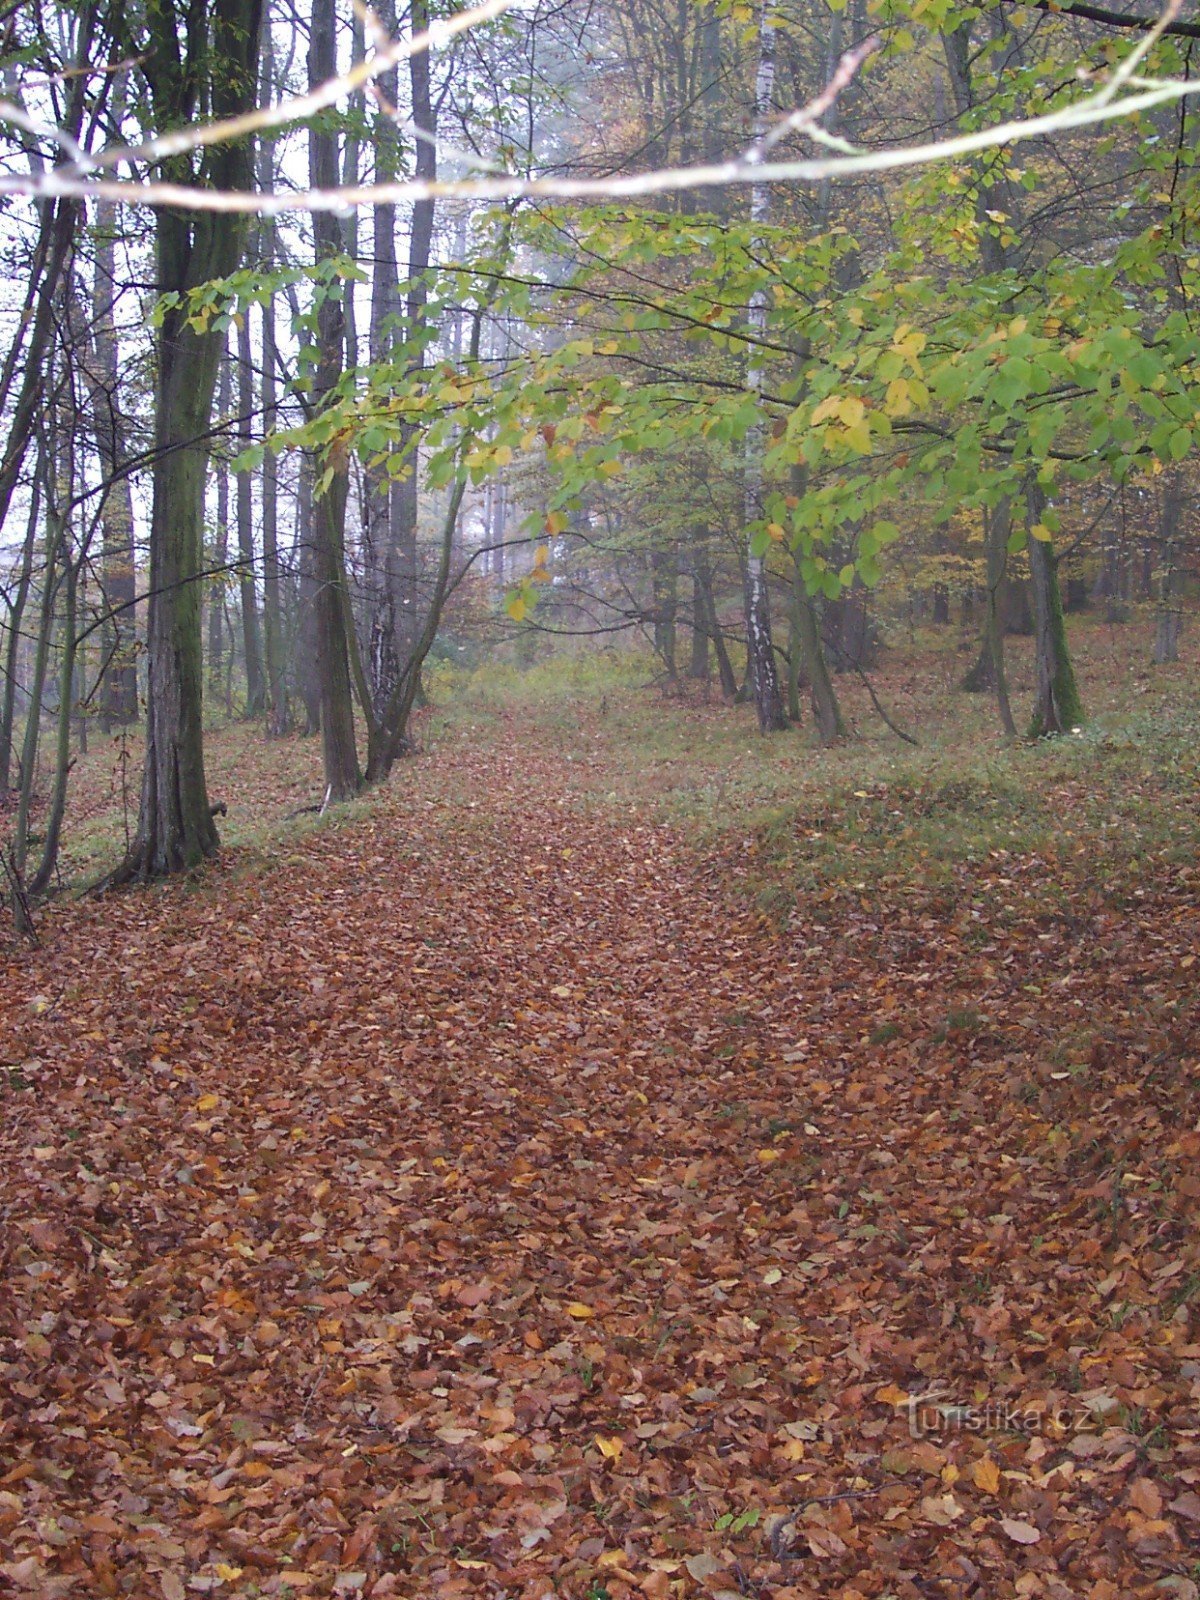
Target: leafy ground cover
x,y
623,1159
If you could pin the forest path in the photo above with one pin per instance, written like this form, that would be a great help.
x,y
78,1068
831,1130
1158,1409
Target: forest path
x,y
477,1202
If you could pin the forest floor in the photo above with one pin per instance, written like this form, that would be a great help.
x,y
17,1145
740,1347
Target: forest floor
x,y
623,1158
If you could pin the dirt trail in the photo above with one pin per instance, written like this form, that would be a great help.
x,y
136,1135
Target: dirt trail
x,y
479,1203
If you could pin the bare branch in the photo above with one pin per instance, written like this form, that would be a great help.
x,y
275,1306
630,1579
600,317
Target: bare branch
x,y
1119,95
296,109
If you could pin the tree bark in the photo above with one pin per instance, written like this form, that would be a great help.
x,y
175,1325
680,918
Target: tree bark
x,y
256,693
768,700
1168,616
118,693
343,778
1058,707
219,75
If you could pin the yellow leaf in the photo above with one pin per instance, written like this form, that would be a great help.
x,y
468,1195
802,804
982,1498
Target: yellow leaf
x,y
555,523
986,1475
579,1311
897,403
891,1395
228,1574
208,1102
792,1450
859,437
851,411
767,1156
517,607
610,1449
1041,533
504,455
775,531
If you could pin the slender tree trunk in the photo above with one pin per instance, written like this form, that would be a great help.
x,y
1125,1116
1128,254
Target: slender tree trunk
x,y
279,715
1058,707
699,667
729,686
248,590
55,536
214,588
826,709
808,645
342,776
12,652
1169,615
62,755
768,701
998,531
306,656
664,570
382,510
118,693
397,624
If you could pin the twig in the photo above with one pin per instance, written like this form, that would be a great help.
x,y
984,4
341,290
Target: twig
x,y
780,1540
899,732
72,183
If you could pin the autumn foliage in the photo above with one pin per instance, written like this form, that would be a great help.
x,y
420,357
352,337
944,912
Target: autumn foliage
x,y
486,1199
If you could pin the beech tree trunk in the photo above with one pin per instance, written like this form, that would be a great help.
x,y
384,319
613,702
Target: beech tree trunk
x,y
175,827
1058,707
256,693
118,693
343,778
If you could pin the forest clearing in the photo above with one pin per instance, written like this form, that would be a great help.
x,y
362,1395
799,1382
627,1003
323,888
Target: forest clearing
x,y
505,1186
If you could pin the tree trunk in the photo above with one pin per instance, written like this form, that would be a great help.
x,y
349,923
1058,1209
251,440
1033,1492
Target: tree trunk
x,y
382,510
826,709
16,614
307,680
118,693
698,666
175,826
62,754
397,623
214,588
342,776
768,701
1057,708
1169,616
989,670
279,713
256,693
55,534
664,578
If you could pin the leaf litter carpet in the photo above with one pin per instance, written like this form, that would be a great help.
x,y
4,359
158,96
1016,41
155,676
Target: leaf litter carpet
x,y
482,1202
